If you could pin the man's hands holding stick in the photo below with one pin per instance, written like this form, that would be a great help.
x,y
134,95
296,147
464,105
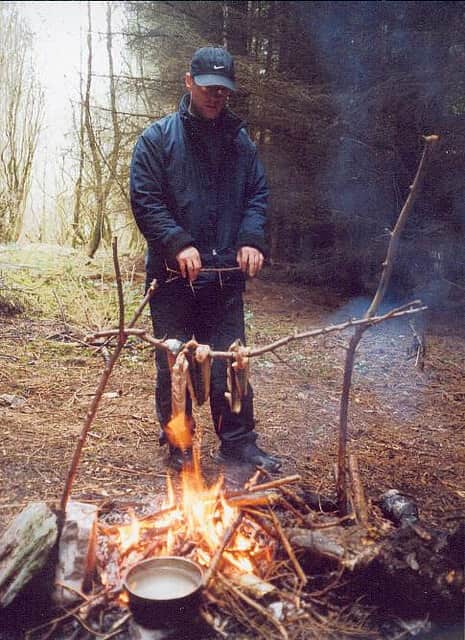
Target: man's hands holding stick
x,y
189,263
249,259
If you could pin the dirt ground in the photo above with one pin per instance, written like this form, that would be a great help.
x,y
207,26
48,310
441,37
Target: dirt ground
x,y
406,423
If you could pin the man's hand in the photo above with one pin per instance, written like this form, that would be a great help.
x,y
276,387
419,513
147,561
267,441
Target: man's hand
x,y
250,260
189,263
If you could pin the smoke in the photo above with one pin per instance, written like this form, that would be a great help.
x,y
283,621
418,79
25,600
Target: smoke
x,y
391,72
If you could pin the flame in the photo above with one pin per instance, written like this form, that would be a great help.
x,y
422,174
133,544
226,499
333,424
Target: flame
x,y
171,500
199,518
200,507
242,562
129,534
178,432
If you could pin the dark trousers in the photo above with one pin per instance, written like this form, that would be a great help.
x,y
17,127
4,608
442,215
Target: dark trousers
x,y
213,315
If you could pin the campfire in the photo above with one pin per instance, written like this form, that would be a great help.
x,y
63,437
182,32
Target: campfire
x,y
228,535
199,523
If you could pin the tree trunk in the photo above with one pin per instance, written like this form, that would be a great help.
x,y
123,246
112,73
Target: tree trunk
x,y
96,234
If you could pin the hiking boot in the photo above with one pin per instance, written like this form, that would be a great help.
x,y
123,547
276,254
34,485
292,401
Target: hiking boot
x,y
179,458
249,453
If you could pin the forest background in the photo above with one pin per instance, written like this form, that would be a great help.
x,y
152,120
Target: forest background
x,y
337,97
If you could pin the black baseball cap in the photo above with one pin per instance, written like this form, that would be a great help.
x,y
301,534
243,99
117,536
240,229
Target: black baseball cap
x,y
213,66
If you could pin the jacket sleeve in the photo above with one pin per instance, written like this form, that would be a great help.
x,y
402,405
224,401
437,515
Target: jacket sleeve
x,y
252,228
149,197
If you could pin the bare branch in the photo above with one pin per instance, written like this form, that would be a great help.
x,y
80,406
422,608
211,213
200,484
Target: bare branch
x,y
342,490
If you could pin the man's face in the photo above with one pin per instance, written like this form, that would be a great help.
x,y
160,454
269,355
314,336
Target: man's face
x,y
207,102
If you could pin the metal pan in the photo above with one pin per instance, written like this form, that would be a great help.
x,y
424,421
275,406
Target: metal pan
x,y
165,590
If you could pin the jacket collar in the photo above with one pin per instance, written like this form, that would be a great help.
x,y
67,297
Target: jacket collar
x,y
228,123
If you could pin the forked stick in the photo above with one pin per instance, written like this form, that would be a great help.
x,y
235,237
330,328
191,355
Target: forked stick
x,y
92,411
341,484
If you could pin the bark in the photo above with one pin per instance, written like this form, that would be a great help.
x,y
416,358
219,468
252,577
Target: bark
x,y
105,166
96,234
25,548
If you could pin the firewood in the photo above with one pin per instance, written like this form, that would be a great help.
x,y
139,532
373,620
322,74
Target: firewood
x,y
227,537
290,551
253,500
265,485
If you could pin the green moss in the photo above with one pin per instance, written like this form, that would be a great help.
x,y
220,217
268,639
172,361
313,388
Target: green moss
x,y
56,282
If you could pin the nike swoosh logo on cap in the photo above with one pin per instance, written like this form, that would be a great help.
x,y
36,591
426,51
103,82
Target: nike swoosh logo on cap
x,y
218,67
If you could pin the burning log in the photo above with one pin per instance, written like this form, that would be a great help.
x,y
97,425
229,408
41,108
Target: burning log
x,y
228,535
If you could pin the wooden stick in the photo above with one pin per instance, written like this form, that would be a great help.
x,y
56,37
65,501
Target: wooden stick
x,y
257,518
138,312
288,547
116,627
293,496
264,612
409,309
342,493
358,493
252,481
293,510
289,493
254,500
92,411
228,535
363,322
265,485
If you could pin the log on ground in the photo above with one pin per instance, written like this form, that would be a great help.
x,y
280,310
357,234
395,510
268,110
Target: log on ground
x,y
24,549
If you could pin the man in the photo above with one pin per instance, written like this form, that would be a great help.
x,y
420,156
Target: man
x,y
198,194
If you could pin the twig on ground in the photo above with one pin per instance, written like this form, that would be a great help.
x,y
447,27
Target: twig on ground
x,y
288,547
264,612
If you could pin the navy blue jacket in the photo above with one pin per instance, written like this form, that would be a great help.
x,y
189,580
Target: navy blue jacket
x,y
199,183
